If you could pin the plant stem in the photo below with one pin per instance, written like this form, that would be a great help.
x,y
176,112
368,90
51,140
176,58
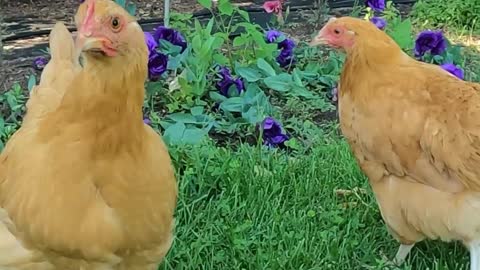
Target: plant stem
x,y
226,30
166,13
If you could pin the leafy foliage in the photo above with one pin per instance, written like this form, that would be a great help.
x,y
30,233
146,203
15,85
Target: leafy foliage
x,y
12,108
130,7
195,107
456,13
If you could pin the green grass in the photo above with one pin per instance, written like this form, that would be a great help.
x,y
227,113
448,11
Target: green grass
x,y
256,208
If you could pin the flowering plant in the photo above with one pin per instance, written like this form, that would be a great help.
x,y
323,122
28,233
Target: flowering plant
x,y
275,7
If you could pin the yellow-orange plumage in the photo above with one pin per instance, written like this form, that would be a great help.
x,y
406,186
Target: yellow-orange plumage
x,y
415,132
84,183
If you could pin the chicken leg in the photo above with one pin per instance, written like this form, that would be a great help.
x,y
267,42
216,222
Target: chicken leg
x,y
402,253
474,256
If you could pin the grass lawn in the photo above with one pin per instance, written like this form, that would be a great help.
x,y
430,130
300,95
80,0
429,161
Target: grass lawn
x,y
254,208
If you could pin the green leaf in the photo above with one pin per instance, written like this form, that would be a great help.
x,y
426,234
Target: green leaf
x,y
302,91
250,74
174,133
207,47
197,110
131,9
266,67
402,34
281,82
198,88
180,134
209,27
244,14
217,97
239,41
297,77
252,91
220,59
438,59
2,125
205,3
225,7
32,81
193,135
183,117
120,3
251,116
234,104
196,43
198,27
185,86
293,144
233,91
217,43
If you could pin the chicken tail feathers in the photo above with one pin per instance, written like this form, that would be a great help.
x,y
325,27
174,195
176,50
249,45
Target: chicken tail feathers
x,y
56,76
13,255
62,51
61,43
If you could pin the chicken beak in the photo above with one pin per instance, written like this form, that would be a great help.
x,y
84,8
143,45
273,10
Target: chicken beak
x,y
319,39
89,44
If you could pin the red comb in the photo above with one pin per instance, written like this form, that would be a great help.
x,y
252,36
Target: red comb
x,y
87,22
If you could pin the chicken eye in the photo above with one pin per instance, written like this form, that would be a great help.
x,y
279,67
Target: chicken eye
x,y
336,31
115,23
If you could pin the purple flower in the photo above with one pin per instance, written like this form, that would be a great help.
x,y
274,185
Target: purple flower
x,y
157,65
285,58
432,41
40,62
272,35
152,44
147,120
379,22
272,132
377,5
286,46
170,35
455,70
227,81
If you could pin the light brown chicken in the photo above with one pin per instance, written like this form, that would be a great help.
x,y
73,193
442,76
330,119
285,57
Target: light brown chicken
x,y
415,132
84,183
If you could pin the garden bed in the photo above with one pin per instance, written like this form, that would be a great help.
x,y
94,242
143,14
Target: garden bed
x,y
26,31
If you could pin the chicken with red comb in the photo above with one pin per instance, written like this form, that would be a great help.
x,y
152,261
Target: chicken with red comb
x,y
414,129
84,183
